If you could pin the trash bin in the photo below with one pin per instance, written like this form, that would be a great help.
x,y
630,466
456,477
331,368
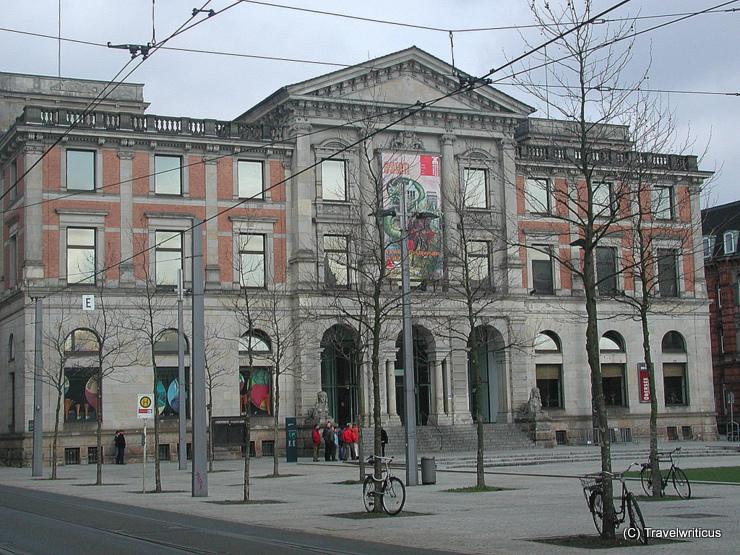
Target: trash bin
x,y
428,470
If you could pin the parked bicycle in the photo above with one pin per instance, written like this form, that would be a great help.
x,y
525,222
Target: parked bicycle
x,y
593,491
390,489
674,475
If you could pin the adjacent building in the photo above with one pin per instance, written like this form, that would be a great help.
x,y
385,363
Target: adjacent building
x,y
109,197
721,228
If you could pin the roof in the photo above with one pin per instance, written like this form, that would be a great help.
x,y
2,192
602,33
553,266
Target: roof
x,y
717,220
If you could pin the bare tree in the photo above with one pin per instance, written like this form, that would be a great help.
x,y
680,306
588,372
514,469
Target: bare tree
x,y
115,350
590,94
152,312
215,374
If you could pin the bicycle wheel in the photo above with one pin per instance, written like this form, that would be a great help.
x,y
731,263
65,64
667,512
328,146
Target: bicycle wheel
x,y
368,493
394,496
646,479
596,505
681,483
636,520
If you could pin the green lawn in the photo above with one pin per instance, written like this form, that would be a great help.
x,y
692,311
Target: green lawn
x,y
709,474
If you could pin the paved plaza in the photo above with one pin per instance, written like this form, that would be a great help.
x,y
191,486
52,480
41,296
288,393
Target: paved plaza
x,y
543,501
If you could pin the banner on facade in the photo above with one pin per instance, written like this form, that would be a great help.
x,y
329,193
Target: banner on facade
x,y
419,174
643,380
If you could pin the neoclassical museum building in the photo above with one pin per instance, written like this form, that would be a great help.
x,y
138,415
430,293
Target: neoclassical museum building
x,y
107,198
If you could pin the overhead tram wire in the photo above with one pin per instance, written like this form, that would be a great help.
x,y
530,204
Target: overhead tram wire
x,y
418,106
99,98
395,110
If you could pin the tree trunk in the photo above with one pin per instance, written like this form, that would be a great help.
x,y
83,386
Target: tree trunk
x,y
99,427
157,470
654,462
55,438
377,423
276,423
247,441
480,477
209,408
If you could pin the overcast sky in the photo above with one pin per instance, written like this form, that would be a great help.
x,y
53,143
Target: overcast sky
x,y
696,54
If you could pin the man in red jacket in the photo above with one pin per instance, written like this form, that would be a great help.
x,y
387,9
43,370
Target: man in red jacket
x,y
316,438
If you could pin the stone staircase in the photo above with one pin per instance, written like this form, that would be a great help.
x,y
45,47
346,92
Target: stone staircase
x,y
459,438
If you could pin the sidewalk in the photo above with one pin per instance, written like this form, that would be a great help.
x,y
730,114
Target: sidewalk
x,y
541,503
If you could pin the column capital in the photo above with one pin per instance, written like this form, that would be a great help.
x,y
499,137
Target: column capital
x,y
125,154
448,139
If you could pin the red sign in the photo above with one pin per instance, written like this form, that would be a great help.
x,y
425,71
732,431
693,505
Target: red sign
x,y
643,381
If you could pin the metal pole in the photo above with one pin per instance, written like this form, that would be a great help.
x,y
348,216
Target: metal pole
x,y
197,370
143,459
182,458
408,351
37,467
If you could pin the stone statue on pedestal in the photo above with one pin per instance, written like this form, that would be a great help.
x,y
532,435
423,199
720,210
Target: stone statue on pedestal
x,y
319,413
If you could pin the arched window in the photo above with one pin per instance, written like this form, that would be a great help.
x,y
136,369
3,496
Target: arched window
x,y
166,343
611,342
257,343
549,369
81,341
547,342
675,361
11,347
673,342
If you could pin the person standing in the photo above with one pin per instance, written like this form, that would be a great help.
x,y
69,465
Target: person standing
x,y
383,441
335,434
316,439
328,436
120,443
355,441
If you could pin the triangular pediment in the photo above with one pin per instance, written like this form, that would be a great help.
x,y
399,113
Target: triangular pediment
x,y
401,78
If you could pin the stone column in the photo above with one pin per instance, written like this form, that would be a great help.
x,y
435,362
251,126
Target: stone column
x,y
450,187
126,275
439,416
390,384
213,278
302,196
510,217
33,260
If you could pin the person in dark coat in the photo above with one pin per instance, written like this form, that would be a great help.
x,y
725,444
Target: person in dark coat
x,y
328,437
120,443
383,441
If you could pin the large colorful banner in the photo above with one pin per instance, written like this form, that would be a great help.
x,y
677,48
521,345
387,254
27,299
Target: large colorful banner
x,y
419,173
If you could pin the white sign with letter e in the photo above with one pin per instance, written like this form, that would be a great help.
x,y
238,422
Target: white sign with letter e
x,y
145,405
88,302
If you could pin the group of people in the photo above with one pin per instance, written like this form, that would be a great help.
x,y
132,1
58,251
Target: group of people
x,y
338,441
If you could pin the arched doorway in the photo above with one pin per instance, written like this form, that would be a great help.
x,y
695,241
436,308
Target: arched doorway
x,y
339,373
423,345
490,359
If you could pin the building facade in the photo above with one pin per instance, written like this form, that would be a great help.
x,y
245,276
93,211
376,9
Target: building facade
x,y
106,203
721,227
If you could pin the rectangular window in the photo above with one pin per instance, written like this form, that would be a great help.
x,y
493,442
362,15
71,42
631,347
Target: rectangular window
x,y
603,200
612,382
336,261
537,195
13,261
478,261
80,397
708,246
81,170
168,390
252,260
333,180
476,188
167,175
674,384
80,255
255,390
667,273
662,202
730,240
542,278
249,176
12,185
606,270
548,382
167,257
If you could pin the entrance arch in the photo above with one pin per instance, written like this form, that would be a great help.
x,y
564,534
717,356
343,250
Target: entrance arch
x,y
423,345
490,357
339,373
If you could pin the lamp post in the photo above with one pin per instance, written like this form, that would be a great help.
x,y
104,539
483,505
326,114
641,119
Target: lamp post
x,y
409,386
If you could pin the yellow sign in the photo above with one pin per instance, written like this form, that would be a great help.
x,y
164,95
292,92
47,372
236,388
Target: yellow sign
x,y
145,405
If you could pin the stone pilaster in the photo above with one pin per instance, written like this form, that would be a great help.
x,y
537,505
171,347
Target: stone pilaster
x,y
302,196
700,286
33,260
450,190
439,417
510,217
212,268
126,207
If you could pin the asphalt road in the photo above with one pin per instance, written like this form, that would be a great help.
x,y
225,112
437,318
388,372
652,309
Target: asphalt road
x,y
36,523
